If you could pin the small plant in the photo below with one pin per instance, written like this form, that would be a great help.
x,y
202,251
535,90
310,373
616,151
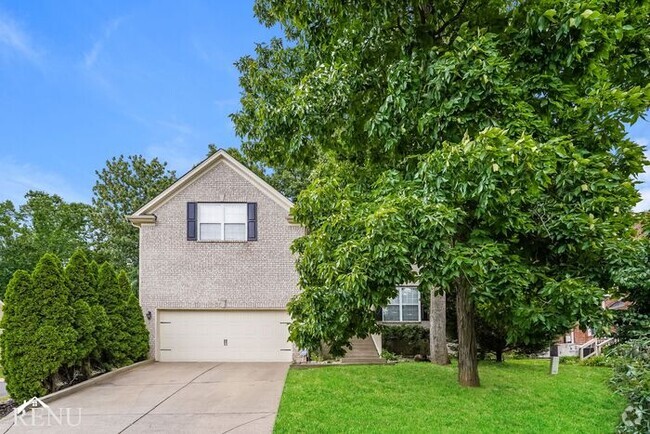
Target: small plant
x,y
387,355
569,360
600,360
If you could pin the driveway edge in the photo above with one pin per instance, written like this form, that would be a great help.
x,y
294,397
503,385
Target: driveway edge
x,y
84,384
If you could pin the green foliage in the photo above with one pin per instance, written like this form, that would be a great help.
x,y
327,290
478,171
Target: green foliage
x,y
492,337
569,360
80,277
54,331
83,296
51,305
406,340
38,340
43,224
633,282
18,324
482,141
138,335
123,186
113,297
388,355
631,379
600,360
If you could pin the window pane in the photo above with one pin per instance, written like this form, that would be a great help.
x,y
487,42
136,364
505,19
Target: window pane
x,y
410,312
210,213
410,296
235,213
391,313
234,232
209,231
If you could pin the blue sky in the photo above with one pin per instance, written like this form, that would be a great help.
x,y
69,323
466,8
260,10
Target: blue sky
x,y
83,81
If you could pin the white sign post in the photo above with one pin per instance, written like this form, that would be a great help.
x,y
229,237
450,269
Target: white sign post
x,y
555,359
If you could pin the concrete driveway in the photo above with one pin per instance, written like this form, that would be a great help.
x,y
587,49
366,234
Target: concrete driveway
x,y
173,398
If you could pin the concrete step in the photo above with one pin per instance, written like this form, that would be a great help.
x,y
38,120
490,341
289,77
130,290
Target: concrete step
x,y
362,354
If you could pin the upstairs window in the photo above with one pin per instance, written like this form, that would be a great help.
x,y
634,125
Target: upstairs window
x,y
222,221
403,308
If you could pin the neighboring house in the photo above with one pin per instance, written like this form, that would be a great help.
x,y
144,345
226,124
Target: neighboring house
x,y
584,343
216,270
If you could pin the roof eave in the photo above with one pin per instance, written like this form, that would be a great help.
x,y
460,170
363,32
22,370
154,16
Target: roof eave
x,y
141,219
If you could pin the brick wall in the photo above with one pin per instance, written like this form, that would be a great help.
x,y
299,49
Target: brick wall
x,y
176,273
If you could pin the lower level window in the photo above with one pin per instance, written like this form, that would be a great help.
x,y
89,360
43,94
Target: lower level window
x,y
404,307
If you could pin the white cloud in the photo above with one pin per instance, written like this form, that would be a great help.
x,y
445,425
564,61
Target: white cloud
x,y
226,104
178,153
91,56
179,127
16,39
18,178
211,55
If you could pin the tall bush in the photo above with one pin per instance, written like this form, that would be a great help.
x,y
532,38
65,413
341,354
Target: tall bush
x,y
78,277
112,299
63,323
138,335
39,340
631,379
18,324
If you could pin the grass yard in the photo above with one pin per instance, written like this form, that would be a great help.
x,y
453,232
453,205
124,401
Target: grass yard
x,y
516,397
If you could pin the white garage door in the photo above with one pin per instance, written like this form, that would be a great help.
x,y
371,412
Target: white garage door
x,y
223,336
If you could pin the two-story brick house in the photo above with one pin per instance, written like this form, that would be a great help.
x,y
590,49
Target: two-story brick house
x,y
216,270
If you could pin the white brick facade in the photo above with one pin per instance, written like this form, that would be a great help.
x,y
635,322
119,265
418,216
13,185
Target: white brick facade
x,y
180,274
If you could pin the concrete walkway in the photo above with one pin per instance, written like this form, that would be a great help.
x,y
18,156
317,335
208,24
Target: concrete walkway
x,y
171,398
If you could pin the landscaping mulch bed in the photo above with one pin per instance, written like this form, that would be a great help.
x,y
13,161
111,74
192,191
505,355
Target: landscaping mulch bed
x,y
7,407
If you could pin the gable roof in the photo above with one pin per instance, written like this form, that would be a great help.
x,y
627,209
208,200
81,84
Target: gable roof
x,y
145,214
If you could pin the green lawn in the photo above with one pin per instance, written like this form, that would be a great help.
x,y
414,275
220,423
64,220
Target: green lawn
x,y
517,397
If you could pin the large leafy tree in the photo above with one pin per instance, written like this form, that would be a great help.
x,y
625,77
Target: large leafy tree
x,y
45,223
633,281
123,186
482,141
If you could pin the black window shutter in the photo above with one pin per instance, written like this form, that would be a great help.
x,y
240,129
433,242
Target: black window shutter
x,y
252,221
378,314
191,221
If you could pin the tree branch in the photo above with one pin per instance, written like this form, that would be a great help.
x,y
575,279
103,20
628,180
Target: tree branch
x,y
446,24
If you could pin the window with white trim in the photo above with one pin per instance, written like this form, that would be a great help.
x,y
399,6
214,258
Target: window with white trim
x,y
403,308
222,221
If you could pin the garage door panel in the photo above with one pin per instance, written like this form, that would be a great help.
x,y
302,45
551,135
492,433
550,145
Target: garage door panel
x,y
224,336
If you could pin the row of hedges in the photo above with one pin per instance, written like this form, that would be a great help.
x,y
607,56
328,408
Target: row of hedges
x,y
62,325
405,340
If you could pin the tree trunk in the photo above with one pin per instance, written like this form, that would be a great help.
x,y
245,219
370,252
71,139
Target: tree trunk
x,y
438,328
467,357
499,354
